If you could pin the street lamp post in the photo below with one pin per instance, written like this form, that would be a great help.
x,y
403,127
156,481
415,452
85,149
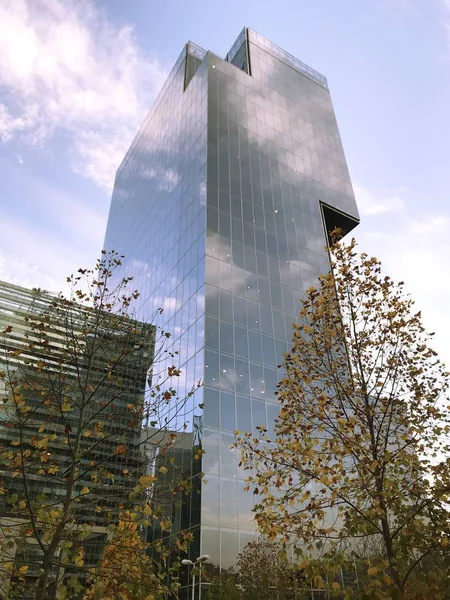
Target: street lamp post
x,y
198,561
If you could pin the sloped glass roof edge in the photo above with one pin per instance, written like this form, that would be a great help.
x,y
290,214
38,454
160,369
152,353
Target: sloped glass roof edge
x,y
287,58
237,44
200,53
196,51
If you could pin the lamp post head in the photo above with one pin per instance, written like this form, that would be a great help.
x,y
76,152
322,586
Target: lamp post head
x,y
202,558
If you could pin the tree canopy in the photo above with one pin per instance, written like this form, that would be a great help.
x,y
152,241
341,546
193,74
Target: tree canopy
x,y
357,471
264,572
85,386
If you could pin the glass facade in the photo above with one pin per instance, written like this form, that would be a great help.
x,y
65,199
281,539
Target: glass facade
x,y
221,208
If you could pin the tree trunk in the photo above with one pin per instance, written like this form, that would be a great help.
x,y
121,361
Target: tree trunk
x,y
41,590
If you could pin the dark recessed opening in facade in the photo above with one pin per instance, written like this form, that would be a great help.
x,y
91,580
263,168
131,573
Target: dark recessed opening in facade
x,y
239,55
333,219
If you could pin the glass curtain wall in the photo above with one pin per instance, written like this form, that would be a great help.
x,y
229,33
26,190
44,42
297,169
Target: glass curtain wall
x,y
274,155
218,209
157,220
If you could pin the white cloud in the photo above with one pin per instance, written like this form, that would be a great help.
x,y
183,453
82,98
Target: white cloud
x,y
372,203
414,249
51,237
446,9
430,225
43,265
405,8
64,67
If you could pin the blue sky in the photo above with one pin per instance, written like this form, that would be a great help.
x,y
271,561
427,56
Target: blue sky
x,y
77,78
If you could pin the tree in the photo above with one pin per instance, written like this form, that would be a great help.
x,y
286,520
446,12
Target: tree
x,y
360,455
127,569
224,586
80,378
264,572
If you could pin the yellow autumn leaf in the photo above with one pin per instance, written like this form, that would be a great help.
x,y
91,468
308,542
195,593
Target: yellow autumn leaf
x,y
318,582
164,525
23,569
78,562
180,545
335,586
65,406
147,480
85,490
163,469
372,571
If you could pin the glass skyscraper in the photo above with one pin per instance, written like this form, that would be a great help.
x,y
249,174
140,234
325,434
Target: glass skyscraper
x,y
221,207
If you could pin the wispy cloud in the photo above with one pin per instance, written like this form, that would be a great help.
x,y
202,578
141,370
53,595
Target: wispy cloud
x,y
445,4
430,225
64,67
371,202
38,252
45,263
414,248
405,8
